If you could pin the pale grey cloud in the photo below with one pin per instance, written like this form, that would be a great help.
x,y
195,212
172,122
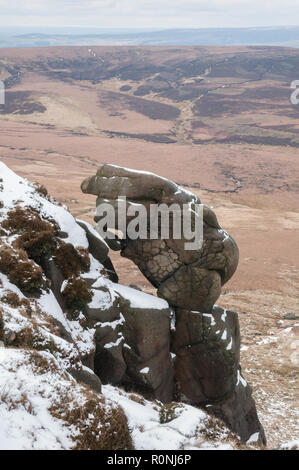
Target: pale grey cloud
x,y
149,13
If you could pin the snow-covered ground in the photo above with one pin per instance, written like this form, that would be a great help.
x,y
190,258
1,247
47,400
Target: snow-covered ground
x,y
30,385
189,428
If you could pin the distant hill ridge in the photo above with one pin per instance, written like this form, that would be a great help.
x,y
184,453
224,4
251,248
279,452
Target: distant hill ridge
x,y
286,36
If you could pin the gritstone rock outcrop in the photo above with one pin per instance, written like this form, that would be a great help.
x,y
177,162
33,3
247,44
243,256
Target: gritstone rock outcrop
x,y
70,335
204,339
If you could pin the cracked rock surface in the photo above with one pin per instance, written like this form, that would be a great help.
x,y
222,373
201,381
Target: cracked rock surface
x,y
189,279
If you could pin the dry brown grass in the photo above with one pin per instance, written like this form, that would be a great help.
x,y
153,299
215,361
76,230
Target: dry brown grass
x,y
13,300
70,260
168,412
39,245
30,339
14,403
35,235
20,220
22,339
21,271
216,431
30,336
101,427
77,294
41,189
137,398
40,364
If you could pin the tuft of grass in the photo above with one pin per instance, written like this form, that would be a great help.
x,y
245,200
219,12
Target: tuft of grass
x,y
39,344
77,294
40,364
15,403
22,339
13,300
38,246
21,271
168,412
101,427
22,220
215,430
41,189
71,261
31,338
35,235
137,398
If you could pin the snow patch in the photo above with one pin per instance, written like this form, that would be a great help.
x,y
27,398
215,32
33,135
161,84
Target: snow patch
x,y
210,316
253,438
241,379
139,299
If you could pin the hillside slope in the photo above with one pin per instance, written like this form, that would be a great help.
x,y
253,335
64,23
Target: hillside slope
x,y
50,398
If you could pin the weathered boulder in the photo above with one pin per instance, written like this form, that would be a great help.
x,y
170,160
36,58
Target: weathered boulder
x,y
190,279
205,339
147,344
207,349
99,249
239,412
88,377
133,341
56,277
109,362
207,371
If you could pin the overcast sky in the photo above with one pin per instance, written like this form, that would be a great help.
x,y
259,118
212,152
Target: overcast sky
x,y
148,13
